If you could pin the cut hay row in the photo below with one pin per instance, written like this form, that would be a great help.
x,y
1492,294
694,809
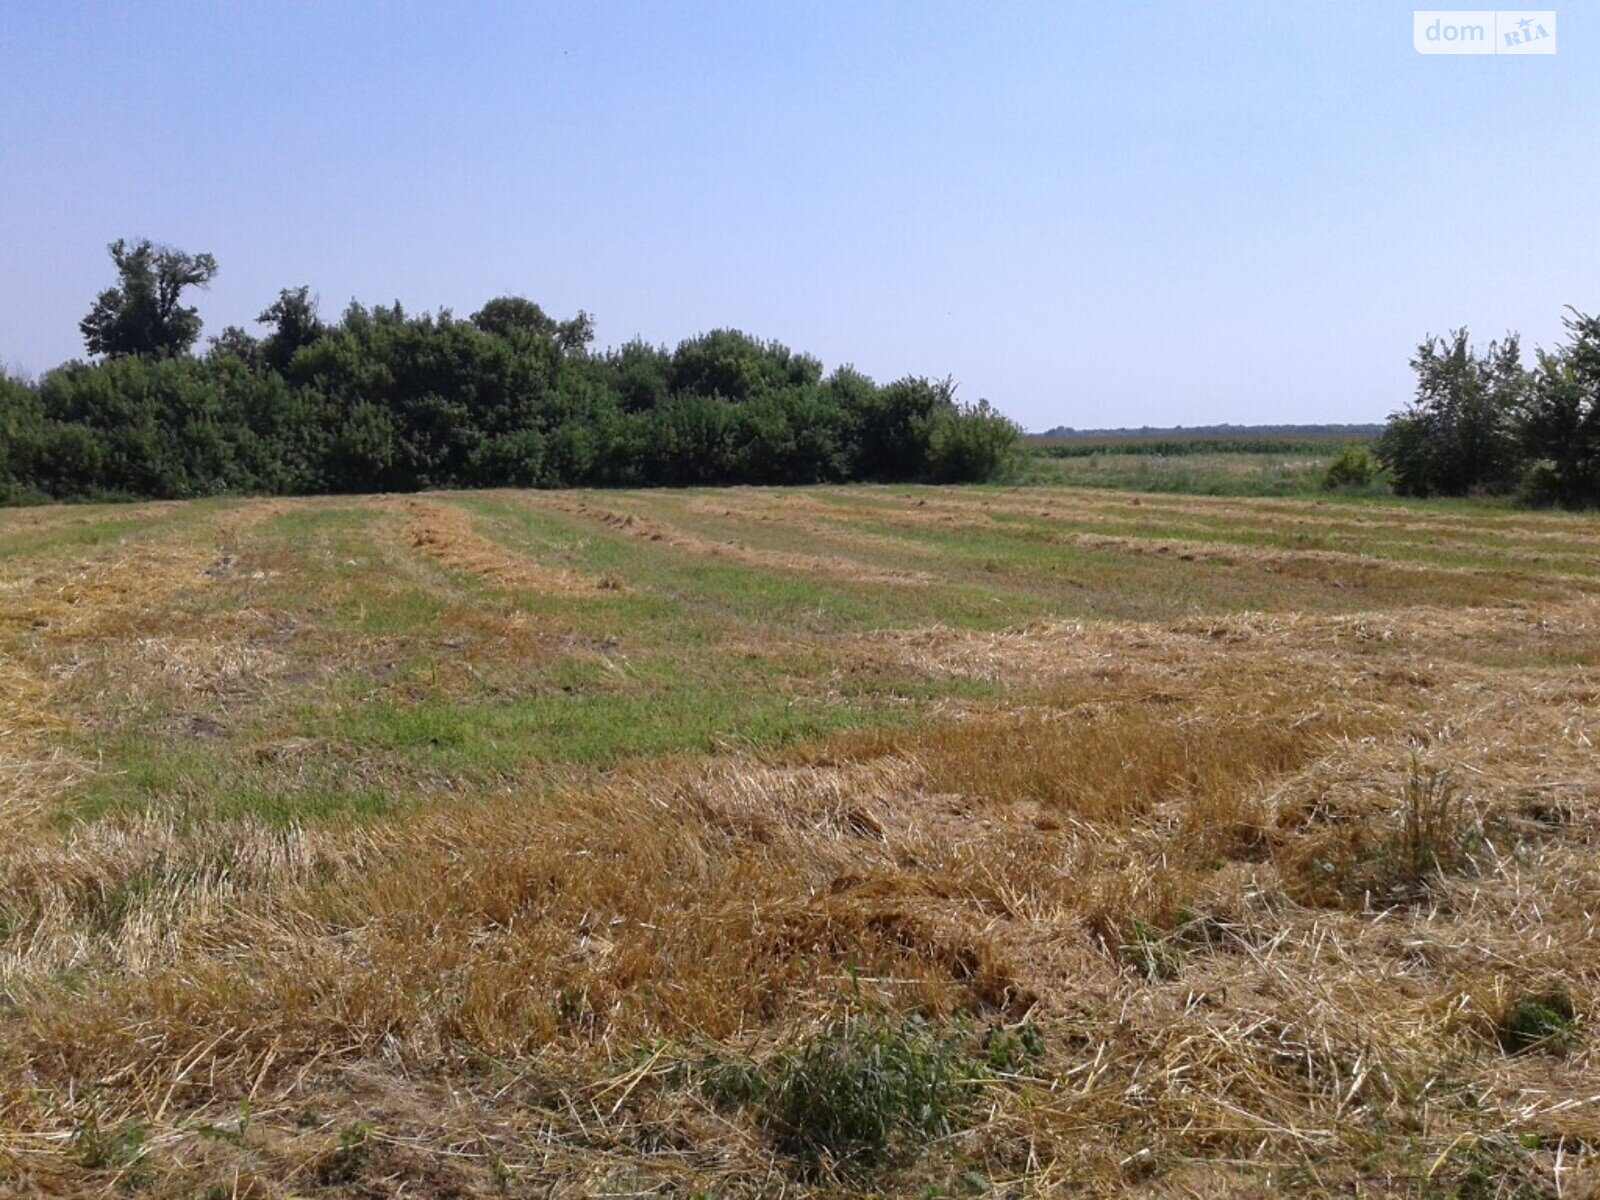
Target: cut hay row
x,y
1267,546
1219,512
1219,548
54,613
63,517
1388,541
801,519
446,533
650,529
1371,641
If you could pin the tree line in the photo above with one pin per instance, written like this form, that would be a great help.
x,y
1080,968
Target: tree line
x,y
385,400
1484,424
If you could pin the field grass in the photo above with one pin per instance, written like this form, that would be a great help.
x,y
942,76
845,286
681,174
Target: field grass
x,y
869,840
1199,466
1173,443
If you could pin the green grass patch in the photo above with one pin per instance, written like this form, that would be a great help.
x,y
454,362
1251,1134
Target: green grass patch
x,y
191,780
595,728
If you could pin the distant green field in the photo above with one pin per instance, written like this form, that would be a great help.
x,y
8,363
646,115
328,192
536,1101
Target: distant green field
x,y
1170,446
1196,466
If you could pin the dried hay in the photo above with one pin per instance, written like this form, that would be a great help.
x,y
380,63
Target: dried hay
x,y
446,533
56,612
1172,848
652,530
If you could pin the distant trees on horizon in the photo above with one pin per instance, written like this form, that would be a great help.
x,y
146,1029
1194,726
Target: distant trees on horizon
x,y
383,400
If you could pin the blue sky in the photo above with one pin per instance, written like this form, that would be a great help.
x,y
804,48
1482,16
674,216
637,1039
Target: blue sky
x,y
1157,213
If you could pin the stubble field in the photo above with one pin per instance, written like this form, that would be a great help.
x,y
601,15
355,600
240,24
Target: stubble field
x,y
857,840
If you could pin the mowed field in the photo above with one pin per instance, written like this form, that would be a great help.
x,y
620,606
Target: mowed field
x,y
858,840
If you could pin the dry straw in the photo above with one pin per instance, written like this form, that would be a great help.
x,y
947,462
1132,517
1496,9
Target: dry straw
x,y
1274,903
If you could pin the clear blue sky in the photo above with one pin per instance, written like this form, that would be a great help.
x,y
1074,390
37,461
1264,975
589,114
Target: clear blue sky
x,y
1092,215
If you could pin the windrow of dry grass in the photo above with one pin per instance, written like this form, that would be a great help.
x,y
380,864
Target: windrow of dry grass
x,y
1219,902
446,533
55,606
656,530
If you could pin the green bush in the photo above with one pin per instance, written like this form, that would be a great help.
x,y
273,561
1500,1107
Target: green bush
x,y
971,444
1484,424
1353,466
1460,435
1541,485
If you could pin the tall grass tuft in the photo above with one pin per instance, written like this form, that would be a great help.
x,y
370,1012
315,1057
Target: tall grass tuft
x,y
1432,834
867,1087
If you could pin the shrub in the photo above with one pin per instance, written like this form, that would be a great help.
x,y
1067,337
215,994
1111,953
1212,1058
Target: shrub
x,y
20,417
1541,485
1354,466
970,445
510,460
1561,426
1460,435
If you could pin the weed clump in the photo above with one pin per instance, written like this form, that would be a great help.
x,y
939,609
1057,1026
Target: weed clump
x,y
1009,1049
346,1161
1148,952
1432,836
866,1088
1541,1020
98,1147
1426,836
731,1080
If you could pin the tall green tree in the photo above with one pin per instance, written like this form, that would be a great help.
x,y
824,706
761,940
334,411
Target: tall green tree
x,y
1562,427
1461,434
143,313
294,321
517,316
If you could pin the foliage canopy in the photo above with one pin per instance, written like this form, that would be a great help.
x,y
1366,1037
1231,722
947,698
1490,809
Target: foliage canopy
x,y
142,313
384,400
1483,424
